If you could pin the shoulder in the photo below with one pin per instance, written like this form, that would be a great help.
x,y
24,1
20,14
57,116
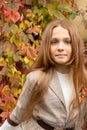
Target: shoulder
x,y
31,79
33,75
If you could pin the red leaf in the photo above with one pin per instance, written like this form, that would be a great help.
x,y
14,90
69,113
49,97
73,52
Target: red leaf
x,y
21,6
2,3
7,12
4,115
1,64
15,16
1,87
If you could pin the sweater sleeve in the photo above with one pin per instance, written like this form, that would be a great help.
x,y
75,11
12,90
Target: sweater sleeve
x,y
7,126
24,98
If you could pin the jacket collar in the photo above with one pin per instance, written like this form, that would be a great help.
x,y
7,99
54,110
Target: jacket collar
x,y
56,88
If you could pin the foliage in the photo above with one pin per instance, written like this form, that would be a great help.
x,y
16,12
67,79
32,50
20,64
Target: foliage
x,y
21,27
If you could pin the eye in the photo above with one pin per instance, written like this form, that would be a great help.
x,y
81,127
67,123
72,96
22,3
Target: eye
x,y
67,41
54,41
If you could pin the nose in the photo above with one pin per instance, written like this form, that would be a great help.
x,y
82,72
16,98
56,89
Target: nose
x,y
60,46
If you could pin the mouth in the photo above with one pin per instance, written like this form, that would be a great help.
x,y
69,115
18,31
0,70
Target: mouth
x,y
85,53
60,55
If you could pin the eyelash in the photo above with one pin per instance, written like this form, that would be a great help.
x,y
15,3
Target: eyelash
x,y
66,41
54,42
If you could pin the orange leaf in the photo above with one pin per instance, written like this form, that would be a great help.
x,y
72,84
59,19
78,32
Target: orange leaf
x,y
23,49
15,16
4,115
31,52
1,64
5,90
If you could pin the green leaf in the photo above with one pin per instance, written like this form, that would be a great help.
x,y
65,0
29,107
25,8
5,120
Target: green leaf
x,y
6,28
22,25
73,15
12,39
12,5
13,70
1,59
59,15
14,28
64,8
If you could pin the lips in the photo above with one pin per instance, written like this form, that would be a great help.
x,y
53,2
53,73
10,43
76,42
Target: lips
x,y
60,55
85,53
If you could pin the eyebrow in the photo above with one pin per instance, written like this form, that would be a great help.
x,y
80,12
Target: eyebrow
x,y
85,42
66,38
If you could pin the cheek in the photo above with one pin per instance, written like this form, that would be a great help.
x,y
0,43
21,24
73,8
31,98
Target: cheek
x,y
52,50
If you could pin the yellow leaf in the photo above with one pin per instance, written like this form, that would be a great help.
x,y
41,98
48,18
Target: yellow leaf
x,y
26,60
5,90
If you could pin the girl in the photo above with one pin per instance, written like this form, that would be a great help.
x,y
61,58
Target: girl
x,y
54,93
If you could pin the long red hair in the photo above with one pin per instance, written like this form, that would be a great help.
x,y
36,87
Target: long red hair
x,y
45,63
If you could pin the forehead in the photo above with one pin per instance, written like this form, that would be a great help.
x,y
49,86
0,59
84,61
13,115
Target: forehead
x,y
60,31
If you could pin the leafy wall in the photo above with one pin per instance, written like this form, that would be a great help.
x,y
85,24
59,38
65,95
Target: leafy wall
x,y
21,27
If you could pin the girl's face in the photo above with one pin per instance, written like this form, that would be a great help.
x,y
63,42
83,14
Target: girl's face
x,y
61,49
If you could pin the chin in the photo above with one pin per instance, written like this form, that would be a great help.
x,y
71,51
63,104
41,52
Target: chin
x,y
61,62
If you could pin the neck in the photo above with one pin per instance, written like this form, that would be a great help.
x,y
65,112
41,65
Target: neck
x,y
63,68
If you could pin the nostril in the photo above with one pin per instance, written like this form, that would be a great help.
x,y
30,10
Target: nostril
x,y
85,52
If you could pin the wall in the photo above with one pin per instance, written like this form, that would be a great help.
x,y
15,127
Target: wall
x,y
81,20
